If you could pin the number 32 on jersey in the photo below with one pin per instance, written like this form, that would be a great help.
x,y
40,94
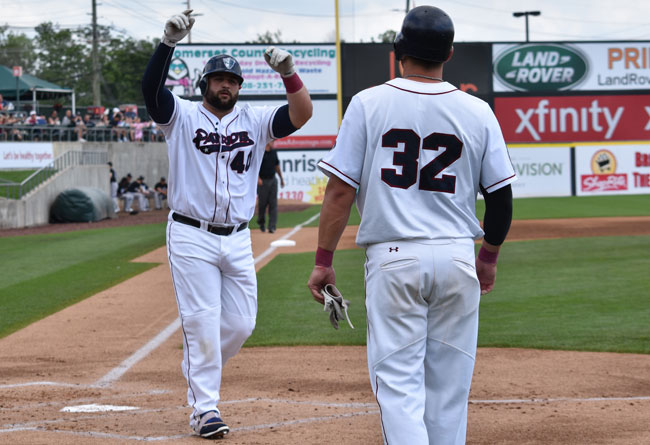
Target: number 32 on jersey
x,y
408,159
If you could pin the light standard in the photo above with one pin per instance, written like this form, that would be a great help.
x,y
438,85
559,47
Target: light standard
x,y
526,14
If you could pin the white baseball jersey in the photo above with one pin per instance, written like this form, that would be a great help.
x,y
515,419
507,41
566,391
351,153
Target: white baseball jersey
x,y
417,152
213,165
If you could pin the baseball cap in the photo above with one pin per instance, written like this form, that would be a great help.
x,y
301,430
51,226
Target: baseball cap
x,y
141,177
116,110
31,113
110,163
162,178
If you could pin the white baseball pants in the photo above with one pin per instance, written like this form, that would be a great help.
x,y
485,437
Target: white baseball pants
x,y
422,300
216,292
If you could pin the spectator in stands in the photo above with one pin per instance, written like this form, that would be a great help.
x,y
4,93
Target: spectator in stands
x,y
80,128
88,123
137,129
36,120
5,105
161,193
8,133
156,134
103,131
67,121
118,126
31,119
54,118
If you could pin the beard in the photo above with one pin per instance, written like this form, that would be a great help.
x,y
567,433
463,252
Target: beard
x,y
221,104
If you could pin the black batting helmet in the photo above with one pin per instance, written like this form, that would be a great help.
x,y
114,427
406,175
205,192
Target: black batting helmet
x,y
427,33
220,64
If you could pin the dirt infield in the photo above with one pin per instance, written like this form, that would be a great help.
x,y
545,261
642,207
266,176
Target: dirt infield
x,y
120,351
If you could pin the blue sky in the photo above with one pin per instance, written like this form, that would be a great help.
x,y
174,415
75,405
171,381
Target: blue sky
x,y
236,21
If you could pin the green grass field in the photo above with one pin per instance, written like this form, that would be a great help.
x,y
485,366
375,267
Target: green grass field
x,y
582,294
12,176
42,274
576,294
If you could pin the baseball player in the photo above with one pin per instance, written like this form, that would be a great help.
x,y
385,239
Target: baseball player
x,y
215,149
415,152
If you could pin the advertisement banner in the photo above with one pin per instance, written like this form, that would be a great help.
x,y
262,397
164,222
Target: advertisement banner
x,y
303,180
613,169
27,155
316,65
603,66
574,118
541,171
318,132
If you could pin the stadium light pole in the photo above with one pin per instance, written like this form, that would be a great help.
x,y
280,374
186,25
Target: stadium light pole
x,y
526,14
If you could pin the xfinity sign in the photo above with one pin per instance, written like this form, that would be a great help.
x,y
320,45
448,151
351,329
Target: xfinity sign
x,y
539,67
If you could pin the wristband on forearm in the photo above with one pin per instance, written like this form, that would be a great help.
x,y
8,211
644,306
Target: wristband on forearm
x,y
293,84
486,256
324,257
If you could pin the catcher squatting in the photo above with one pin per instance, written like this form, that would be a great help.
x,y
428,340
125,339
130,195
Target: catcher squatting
x,y
422,281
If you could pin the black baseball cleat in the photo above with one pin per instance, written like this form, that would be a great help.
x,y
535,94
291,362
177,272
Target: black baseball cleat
x,y
211,426
262,228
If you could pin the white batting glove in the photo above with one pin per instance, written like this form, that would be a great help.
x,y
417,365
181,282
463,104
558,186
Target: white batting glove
x,y
177,27
279,60
336,305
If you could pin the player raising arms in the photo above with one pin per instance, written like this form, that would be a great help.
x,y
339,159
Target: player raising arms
x,y
215,149
418,150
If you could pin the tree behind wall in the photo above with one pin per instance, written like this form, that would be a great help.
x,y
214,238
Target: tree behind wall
x,y
63,56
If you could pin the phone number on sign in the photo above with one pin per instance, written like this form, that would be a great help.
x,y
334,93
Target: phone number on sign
x,y
296,196
263,85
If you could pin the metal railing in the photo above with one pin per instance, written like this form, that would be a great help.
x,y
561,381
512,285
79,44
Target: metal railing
x,y
40,133
15,190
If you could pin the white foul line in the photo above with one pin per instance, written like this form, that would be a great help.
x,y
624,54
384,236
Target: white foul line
x,y
20,385
560,399
117,372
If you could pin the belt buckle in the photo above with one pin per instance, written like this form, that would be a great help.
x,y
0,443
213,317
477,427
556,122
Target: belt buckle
x,y
220,230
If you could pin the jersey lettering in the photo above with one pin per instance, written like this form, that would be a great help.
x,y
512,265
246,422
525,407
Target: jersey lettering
x,y
408,159
214,142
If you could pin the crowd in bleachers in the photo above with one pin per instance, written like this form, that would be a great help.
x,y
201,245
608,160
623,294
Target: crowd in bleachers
x,y
96,124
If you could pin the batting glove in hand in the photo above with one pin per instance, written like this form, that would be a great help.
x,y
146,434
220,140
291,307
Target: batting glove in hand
x,y
336,305
280,61
177,27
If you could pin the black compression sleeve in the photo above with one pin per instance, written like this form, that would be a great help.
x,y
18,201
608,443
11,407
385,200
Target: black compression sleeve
x,y
498,214
159,100
282,125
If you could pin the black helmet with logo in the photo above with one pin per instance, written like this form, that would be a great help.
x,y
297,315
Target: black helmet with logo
x,y
427,33
220,64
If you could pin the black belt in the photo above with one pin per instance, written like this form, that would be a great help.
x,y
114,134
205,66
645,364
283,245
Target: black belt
x,y
217,230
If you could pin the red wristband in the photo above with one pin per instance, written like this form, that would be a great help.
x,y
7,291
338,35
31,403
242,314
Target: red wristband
x,y
324,257
293,84
486,256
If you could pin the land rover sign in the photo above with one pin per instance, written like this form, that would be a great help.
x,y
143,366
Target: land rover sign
x,y
540,67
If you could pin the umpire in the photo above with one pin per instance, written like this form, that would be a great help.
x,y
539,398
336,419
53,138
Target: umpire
x,y
267,188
